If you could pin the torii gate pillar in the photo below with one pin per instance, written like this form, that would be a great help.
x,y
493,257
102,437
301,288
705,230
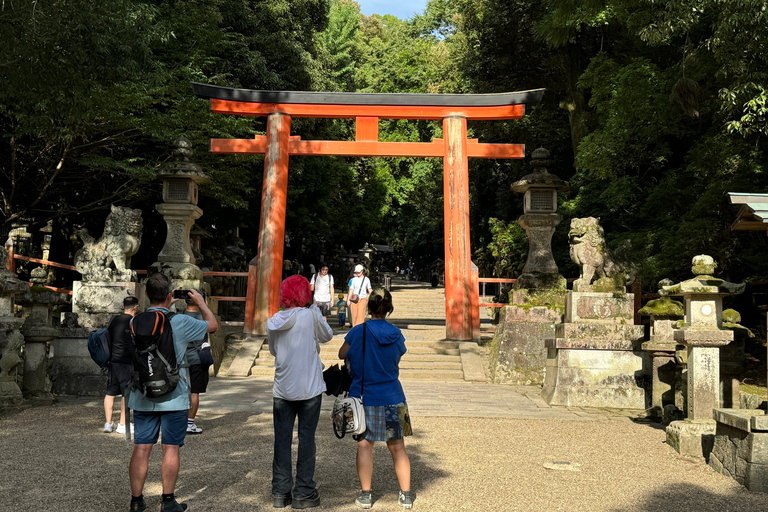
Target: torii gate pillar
x,y
265,270
459,321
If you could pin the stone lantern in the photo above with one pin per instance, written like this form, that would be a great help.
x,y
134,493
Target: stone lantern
x,y
38,332
539,220
179,209
11,340
703,335
664,313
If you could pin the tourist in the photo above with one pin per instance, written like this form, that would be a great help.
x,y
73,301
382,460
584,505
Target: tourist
x,y
375,371
120,362
322,285
293,334
360,286
198,370
341,311
168,412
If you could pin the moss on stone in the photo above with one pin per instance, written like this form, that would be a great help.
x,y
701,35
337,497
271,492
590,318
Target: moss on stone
x,y
732,316
663,307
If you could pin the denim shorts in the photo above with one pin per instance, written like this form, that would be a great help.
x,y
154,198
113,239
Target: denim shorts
x,y
147,425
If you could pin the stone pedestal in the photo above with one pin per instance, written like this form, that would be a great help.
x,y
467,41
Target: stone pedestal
x,y
540,271
104,297
595,359
11,340
518,354
740,448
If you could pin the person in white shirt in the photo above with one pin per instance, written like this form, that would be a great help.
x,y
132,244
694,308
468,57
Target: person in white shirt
x,y
322,285
294,334
359,288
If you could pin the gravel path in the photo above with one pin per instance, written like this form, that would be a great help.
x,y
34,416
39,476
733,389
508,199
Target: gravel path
x,y
56,458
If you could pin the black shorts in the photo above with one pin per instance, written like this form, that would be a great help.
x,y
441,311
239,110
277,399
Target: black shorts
x,y
325,308
120,377
198,378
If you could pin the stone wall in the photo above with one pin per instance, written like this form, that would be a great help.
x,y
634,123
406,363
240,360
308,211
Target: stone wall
x,y
741,447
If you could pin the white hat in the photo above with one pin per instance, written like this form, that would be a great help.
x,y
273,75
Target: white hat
x,y
359,268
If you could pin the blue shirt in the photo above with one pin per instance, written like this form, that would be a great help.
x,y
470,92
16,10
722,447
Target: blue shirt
x,y
384,346
185,329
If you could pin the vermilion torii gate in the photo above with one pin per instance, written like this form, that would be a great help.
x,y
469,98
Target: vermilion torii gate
x,y
461,295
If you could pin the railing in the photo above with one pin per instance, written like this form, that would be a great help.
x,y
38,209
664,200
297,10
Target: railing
x,y
494,280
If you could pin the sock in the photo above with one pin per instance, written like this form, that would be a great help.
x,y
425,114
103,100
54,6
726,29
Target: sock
x,y
190,421
167,498
136,499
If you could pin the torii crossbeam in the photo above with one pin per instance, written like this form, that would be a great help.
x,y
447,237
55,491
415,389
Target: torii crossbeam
x,y
461,294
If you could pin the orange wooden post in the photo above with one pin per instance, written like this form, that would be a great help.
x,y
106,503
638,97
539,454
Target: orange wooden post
x,y
458,283
474,297
10,263
263,294
250,300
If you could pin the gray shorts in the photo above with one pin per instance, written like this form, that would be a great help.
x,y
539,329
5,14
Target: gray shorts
x,y
325,308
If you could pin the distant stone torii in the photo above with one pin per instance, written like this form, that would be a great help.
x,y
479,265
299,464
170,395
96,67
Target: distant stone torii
x,y
265,270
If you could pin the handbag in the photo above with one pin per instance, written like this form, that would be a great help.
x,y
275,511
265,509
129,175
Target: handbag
x,y
348,414
355,297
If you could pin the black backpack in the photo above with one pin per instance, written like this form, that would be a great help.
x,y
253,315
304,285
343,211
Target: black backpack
x,y
156,372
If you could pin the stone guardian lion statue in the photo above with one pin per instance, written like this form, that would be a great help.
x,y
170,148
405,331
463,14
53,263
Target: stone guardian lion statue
x,y
590,253
109,257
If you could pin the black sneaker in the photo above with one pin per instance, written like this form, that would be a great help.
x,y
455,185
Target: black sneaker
x,y
313,500
172,506
138,506
364,500
281,500
406,499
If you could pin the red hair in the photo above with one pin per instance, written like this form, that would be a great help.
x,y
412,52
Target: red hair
x,y
295,292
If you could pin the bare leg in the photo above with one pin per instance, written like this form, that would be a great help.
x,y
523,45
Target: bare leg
x,y
365,463
109,403
169,472
194,403
402,463
137,470
122,411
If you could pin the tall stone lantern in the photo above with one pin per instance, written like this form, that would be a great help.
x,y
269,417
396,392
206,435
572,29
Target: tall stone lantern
x,y
179,209
518,351
703,335
539,220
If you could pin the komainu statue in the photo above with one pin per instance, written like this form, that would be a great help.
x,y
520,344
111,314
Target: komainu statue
x,y
109,257
589,252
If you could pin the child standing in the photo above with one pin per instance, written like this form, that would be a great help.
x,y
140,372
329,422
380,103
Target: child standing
x,y
342,311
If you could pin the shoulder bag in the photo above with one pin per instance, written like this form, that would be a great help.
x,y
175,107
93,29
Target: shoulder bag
x,y
355,297
348,414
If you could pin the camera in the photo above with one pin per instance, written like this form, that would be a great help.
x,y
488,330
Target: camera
x,y
184,294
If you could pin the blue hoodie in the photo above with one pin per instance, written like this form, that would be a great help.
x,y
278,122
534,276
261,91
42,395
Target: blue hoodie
x,y
384,346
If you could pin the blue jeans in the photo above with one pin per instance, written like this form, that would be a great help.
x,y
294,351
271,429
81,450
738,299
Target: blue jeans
x,y
284,414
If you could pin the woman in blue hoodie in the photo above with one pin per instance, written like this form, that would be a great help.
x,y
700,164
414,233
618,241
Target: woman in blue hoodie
x,y
375,372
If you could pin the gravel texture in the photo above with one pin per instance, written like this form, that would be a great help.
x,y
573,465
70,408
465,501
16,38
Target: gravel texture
x,y
57,458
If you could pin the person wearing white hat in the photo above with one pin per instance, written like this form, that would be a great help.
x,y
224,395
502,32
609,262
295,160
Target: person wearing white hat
x,y
357,295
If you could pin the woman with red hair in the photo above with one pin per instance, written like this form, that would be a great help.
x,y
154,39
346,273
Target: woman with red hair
x,y
293,334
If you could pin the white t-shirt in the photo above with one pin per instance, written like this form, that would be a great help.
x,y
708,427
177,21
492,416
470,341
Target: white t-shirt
x,y
356,289
322,287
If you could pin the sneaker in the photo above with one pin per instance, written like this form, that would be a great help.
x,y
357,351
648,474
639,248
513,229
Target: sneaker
x,y
193,429
406,499
138,506
172,506
313,500
121,429
364,500
281,500
108,428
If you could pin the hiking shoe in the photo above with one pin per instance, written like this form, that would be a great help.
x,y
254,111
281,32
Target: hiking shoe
x,y
313,500
281,500
406,499
138,506
108,428
193,429
121,429
364,500
172,506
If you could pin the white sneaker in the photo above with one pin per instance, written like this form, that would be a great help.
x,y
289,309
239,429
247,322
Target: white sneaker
x,y
193,429
121,429
108,428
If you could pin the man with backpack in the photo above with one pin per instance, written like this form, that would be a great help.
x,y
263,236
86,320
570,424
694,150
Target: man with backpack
x,y
322,286
161,401
120,362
